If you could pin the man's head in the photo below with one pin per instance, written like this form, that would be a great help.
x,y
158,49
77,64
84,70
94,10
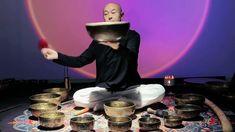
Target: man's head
x,y
112,12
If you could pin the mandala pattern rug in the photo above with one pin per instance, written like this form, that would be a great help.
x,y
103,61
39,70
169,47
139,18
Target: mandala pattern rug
x,y
209,120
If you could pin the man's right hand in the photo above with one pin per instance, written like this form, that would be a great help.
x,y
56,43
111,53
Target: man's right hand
x,y
49,54
113,44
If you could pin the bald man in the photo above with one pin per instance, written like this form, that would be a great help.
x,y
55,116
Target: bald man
x,y
116,64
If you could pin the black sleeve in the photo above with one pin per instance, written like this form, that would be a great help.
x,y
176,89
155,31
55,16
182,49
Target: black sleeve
x,y
131,48
87,57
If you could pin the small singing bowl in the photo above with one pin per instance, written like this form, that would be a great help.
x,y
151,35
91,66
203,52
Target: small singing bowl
x,y
107,31
82,123
119,108
52,119
149,123
187,111
63,92
39,108
119,124
172,121
190,98
45,97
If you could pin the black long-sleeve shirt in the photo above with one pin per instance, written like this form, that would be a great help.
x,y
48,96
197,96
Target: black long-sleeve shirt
x,y
116,69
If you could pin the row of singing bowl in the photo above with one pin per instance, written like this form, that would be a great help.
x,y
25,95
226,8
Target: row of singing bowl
x,y
54,119
46,102
44,106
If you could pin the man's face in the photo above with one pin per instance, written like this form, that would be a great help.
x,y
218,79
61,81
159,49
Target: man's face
x,y
112,13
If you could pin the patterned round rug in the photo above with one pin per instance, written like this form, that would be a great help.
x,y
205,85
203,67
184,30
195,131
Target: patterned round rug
x,y
208,121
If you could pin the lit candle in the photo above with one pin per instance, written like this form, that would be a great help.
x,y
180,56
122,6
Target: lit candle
x,y
169,80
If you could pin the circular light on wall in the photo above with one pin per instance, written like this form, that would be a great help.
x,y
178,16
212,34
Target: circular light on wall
x,y
168,29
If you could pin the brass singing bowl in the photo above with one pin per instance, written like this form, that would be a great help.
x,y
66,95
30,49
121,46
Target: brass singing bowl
x,y
63,92
39,108
187,111
217,87
149,124
107,31
119,124
45,97
229,96
119,108
82,123
189,98
172,121
52,119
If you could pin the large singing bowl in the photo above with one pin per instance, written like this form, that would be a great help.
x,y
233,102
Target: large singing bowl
x,y
189,98
119,108
63,92
187,111
119,124
107,31
80,124
45,98
39,108
52,119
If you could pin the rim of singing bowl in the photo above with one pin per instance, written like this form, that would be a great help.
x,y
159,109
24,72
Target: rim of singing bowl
x,y
106,23
81,120
41,96
55,89
43,106
112,104
52,115
119,119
